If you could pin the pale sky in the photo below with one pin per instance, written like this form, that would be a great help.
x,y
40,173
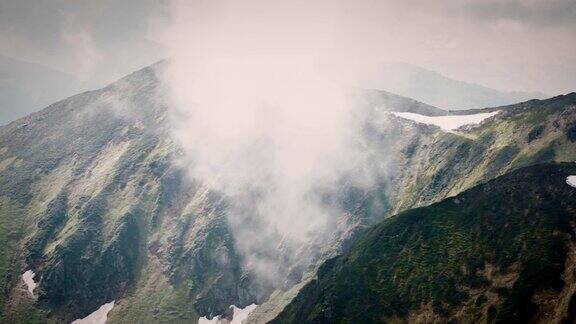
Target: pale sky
x,y
527,45
95,40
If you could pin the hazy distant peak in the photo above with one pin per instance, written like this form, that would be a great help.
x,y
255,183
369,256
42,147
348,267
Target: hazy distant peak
x,y
438,90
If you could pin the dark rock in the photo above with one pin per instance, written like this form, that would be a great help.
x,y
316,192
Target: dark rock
x,y
535,133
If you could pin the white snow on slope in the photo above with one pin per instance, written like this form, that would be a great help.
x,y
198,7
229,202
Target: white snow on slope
x,y
447,123
204,320
98,317
571,180
28,278
239,315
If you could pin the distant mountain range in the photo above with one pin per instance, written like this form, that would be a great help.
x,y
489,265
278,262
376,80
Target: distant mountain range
x,y
438,90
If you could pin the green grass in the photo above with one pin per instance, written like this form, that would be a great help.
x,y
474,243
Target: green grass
x,y
156,301
10,234
518,224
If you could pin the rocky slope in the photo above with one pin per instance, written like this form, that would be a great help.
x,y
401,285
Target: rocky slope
x,y
94,201
504,251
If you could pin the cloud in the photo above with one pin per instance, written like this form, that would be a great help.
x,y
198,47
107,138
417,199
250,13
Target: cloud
x,y
97,40
262,113
259,102
78,38
503,44
531,12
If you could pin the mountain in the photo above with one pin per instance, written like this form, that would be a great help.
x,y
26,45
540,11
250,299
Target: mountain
x,y
94,201
427,164
503,251
435,89
27,87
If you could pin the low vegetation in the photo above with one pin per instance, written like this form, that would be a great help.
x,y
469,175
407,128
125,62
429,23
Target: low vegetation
x,y
481,256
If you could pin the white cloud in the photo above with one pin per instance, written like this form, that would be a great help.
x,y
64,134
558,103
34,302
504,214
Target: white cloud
x,y
263,117
78,38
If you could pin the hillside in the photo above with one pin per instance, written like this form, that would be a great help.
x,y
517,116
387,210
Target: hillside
x,y
503,251
425,164
442,164
94,201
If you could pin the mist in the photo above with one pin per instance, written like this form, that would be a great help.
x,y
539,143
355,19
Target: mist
x,y
263,106
264,113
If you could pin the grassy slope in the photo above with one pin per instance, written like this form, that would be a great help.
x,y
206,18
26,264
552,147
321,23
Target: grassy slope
x,y
443,164
481,256
91,201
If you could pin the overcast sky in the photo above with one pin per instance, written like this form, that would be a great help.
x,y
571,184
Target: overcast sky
x,y
505,44
95,40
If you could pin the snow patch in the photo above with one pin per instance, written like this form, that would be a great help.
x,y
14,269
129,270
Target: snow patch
x,y
100,316
240,314
28,278
571,180
446,123
204,320
238,317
